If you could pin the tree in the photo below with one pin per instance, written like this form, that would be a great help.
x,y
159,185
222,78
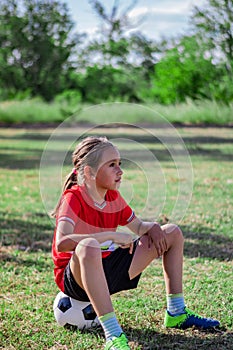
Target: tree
x,y
117,63
214,24
36,45
114,45
184,71
111,46
115,23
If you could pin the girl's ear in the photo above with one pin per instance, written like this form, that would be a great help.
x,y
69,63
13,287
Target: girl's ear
x,y
88,173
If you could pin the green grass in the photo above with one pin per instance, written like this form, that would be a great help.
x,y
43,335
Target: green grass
x,y
191,112
27,287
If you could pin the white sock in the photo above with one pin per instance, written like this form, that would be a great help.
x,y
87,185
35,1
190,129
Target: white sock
x,y
175,304
110,325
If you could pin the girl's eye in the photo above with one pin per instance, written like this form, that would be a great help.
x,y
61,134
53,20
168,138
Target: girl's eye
x,y
113,164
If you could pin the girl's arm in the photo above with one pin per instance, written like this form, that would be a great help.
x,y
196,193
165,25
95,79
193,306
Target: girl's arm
x,y
66,240
156,235
140,227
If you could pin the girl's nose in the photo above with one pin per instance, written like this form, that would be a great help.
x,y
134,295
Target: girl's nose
x,y
119,171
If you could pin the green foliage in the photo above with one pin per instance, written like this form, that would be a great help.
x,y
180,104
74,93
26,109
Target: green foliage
x,y
109,84
221,88
122,60
111,52
69,97
35,46
40,55
184,72
213,22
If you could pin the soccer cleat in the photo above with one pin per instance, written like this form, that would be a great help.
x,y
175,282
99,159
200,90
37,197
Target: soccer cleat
x,y
189,319
117,343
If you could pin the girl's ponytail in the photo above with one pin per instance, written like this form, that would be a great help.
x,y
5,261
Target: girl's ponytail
x,y
71,180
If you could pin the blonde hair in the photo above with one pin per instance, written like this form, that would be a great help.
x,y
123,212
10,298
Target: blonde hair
x,y
87,153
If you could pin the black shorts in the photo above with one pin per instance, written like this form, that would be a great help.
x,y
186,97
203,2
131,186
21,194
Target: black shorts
x,y
116,267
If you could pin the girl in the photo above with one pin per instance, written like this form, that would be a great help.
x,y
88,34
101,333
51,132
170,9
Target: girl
x,y
92,260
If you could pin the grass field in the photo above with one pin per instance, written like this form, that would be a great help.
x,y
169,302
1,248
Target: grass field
x,y
199,112
27,287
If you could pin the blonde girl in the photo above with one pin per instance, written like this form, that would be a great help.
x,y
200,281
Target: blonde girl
x,y
93,260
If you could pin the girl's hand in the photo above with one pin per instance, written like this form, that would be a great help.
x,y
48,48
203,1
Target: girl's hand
x,y
158,238
130,246
124,240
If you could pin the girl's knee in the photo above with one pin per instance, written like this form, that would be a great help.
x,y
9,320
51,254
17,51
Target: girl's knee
x,y
174,230
88,248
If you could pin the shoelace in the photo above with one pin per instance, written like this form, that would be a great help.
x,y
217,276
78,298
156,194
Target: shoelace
x,y
120,341
190,313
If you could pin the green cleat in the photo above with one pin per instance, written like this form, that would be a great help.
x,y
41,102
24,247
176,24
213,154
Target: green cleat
x,y
117,343
189,319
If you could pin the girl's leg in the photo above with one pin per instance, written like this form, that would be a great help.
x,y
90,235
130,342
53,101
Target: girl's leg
x,y
176,315
86,267
172,258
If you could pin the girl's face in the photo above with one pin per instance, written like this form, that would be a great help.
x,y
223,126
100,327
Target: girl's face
x,y
109,173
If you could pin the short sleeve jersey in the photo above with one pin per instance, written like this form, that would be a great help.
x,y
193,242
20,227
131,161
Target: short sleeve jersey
x,y
89,217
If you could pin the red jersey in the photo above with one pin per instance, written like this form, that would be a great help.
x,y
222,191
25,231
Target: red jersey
x,y
89,217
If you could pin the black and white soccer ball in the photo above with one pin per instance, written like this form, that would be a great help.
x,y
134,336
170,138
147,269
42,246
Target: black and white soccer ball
x,y
68,311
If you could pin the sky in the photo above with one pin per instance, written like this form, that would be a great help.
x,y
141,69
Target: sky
x,y
162,18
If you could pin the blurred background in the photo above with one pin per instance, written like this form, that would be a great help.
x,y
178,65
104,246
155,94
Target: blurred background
x,y
57,56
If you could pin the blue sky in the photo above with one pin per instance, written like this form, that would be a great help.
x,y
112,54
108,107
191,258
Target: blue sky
x,y
164,18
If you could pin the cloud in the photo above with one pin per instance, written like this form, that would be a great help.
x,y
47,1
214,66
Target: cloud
x,y
164,19
138,12
153,18
160,10
91,31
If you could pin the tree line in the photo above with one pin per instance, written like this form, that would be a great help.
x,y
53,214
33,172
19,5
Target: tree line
x,y
42,55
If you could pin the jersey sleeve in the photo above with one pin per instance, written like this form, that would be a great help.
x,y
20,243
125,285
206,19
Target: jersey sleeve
x,y
127,213
69,208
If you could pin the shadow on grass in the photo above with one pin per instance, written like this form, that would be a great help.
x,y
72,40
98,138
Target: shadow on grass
x,y
150,340
11,255
191,339
30,234
30,159
147,138
26,235
23,158
20,159
205,243
172,155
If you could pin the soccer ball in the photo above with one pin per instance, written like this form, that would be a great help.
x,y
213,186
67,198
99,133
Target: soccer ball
x,y
68,311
